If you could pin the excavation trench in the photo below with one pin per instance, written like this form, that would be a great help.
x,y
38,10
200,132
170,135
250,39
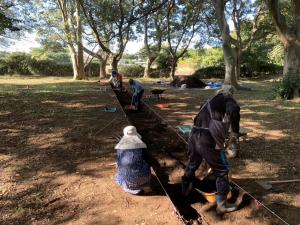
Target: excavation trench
x,y
169,158
167,153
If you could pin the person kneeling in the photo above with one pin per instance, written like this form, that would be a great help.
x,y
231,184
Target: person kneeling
x,y
133,173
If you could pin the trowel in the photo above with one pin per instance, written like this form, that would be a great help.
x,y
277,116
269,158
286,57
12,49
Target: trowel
x,y
268,184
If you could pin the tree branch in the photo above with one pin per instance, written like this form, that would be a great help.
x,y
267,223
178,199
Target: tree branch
x,y
278,20
91,22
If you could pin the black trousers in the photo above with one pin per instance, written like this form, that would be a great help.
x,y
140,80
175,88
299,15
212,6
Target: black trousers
x,y
202,146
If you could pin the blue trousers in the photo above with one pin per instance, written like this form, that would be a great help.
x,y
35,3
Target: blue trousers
x,y
137,99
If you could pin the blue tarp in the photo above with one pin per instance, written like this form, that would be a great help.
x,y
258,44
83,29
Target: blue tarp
x,y
185,129
214,84
110,109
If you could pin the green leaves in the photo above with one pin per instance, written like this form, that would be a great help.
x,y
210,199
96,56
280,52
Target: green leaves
x,y
286,87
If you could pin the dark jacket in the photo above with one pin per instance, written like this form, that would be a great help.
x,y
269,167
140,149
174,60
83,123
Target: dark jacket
x,y
224,109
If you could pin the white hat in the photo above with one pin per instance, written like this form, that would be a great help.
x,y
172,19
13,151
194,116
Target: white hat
x,y
131,139
227,90
131,131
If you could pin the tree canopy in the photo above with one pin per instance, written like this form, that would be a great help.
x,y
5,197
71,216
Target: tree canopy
x,y
249,32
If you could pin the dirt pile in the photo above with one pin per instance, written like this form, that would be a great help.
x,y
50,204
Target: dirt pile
x,y
189,81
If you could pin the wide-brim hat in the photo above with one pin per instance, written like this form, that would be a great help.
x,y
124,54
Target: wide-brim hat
x,y
131,139
131,131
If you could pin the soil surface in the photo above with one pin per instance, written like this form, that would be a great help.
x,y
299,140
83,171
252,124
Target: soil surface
x,y
269,152
57,157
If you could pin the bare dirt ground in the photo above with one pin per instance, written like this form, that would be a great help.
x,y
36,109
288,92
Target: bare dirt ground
x,y
56,157
270,152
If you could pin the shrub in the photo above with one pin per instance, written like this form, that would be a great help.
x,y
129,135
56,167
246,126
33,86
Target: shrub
x,y
260,68
210,72
92,69
50,68
286,87
132,70
156,73
24,64
164,61
19,63
212,57
3,67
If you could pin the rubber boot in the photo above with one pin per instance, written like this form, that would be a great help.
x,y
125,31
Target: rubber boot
x,y
223,206
186,186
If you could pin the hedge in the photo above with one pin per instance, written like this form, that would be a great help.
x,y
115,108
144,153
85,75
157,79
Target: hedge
x,y
131,70
24,64
246,71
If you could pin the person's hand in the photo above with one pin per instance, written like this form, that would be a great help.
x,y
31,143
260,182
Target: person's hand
x,y
220,148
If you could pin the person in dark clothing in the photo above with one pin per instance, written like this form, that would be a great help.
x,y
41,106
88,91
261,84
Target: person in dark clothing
x,y
207,140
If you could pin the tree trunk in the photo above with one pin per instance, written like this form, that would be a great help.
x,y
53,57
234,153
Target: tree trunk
x,y
230,55
230,65
290,38
150,60
238,63
114,63
291,69
291,59
102,69
80,65
80,60
74,64
173,69
68,34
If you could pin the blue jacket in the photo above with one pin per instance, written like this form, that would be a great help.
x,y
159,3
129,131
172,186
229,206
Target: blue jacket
x,y
137,87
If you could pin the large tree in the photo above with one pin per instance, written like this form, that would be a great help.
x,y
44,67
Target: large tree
x,y
183,21
72,26
240,12
6,22
286,19
15,19
232,47
112,28
153,29
120,23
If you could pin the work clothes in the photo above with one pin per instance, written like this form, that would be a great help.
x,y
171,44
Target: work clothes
x,y
136,87
133,173
116,80
137,94
207,139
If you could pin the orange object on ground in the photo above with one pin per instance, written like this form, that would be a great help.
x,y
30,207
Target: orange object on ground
x,y
131,107
163,105
212,197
